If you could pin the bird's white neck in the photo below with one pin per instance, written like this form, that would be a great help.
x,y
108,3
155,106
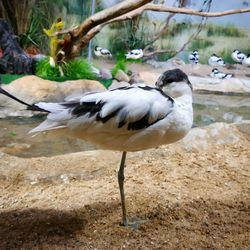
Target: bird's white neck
x,y
179,90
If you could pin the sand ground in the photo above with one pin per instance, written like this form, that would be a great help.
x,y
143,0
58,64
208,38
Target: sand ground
x,y
196,199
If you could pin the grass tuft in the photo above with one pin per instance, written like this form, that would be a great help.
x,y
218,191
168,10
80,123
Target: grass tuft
x,y
229,31
120,64
200,44
73,70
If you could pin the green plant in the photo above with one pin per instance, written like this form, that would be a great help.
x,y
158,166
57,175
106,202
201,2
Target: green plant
x,y
44,69
175,28
133,34
226,55
200,44
229,30
78,69
165,56
34,34
73,70
120,65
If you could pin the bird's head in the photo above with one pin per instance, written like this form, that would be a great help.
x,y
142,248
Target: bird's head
x,y
174,83
215,70
236,51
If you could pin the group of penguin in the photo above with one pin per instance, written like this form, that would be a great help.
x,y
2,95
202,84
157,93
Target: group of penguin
x,y
216,61
133,54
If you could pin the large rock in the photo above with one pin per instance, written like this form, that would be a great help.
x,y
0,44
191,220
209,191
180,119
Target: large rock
x,y
215,134
32,89
231,85
122,76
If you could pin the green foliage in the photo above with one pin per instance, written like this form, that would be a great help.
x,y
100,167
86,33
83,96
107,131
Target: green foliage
x,y
44,69
165,56
177,28
200,44
226,55
229,30
120,64
73,70
128,36
8,78
12,133
106,82
78,69
34,35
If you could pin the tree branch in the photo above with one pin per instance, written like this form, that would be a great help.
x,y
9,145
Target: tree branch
x,y
125,10
163,8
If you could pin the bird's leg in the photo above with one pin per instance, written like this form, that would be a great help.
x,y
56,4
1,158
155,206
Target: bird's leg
x,y
121,187
136,222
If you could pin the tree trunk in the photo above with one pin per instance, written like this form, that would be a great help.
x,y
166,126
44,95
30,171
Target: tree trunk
x,y
14,60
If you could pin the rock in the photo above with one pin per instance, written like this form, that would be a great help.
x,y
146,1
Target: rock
x,y
203,137
135,78
231,85
32,89
244,127
115,84
122,76
105,74
15,148
232,117
172,63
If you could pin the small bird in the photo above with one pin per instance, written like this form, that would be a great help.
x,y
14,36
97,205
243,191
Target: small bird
x,y
215,60
134,54
217,74
238,56
101,52
246,61
131,118
194,57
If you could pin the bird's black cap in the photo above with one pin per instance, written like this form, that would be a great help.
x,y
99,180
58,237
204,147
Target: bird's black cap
x,y
174,75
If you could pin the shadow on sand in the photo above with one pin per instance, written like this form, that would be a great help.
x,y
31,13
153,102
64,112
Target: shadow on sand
x,y
28,228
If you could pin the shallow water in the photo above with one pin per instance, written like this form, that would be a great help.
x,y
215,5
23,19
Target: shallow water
x,y
15,140
211,108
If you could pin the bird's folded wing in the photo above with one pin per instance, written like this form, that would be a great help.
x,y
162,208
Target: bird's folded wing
x,y
130,108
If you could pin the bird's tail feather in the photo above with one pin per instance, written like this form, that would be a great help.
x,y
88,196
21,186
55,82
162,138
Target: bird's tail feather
x,y
47,125
32,107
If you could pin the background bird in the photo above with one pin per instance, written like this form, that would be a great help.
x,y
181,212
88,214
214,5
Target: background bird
x,y
238,56
217,74
101,52
134,54
130,118
246,61
194,57
215,60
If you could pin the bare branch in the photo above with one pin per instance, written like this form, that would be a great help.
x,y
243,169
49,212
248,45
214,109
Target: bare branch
x,y
125,10
108,14
163,8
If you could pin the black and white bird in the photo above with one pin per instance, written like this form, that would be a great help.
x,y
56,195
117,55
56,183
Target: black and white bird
x,y
134,54
238,56
217,74
215,61
101,52
246,61
194,57
127,119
